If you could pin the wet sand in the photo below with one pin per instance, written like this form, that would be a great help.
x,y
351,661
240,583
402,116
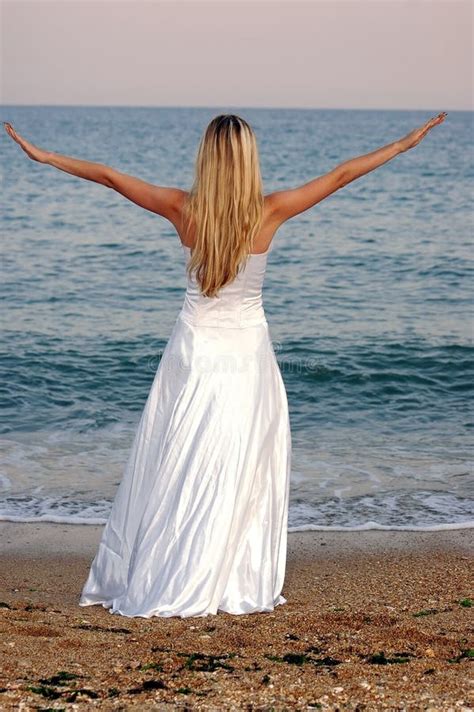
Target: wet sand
x,y
375,620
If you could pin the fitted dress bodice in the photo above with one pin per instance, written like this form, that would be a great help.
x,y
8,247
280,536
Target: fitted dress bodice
x,y
237,305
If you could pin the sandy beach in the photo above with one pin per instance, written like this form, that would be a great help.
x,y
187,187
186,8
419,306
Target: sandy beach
x,y
374,620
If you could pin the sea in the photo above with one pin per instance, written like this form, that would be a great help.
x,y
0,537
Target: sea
x,y
368,296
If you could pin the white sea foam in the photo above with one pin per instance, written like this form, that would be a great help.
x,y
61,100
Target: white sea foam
x,y
385,527
309,527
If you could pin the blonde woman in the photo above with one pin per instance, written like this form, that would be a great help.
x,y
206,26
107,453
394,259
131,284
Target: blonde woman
x,y
199,521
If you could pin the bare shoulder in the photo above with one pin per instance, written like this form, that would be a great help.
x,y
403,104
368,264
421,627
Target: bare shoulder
x,y
285,204
271,203
179,199
181,196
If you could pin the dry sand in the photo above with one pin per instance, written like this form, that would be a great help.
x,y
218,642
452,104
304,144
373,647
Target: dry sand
x,y
375,620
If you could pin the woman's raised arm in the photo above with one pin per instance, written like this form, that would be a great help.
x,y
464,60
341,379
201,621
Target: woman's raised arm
x,y
359,166
285,204
156,198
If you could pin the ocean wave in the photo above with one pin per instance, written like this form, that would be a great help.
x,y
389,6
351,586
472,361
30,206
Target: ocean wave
x,y
367,526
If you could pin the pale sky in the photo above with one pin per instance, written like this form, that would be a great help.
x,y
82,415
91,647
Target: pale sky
x,y
356,54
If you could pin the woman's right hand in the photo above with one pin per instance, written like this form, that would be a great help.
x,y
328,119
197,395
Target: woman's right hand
x,y
415,136
32,151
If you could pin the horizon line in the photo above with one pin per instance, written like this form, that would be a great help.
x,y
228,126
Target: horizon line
x,y
218,107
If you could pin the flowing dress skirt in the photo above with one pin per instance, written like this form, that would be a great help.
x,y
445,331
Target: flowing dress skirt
x,y
199,520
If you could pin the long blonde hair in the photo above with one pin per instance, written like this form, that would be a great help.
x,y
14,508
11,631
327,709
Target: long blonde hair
x,y
225,203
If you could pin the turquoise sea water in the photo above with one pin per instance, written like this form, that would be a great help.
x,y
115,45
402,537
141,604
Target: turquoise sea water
x,y
368,296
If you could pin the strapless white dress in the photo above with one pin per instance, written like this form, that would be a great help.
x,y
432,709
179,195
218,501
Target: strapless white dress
x,y
199,521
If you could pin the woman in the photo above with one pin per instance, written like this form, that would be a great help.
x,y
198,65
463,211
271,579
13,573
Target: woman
x,y
199,522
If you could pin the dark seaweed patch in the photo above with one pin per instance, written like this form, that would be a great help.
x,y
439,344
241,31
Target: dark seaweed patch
x,y
49,692
381,659
207,663
189,691
61,678
89,626
301,658
468,653
151,666
148,685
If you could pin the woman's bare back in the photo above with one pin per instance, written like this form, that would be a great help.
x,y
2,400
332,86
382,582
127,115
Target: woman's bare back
x,y
262,241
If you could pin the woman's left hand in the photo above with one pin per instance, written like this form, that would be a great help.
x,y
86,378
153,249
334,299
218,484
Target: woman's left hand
x,y
414,137
35,153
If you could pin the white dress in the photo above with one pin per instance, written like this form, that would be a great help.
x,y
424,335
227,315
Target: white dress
x,y
199,521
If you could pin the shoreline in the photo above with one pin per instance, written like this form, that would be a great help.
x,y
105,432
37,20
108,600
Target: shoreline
x,y
376,618
52,538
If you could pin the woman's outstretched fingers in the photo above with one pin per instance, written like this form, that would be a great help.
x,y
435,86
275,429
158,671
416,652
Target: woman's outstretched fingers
x,y
10,130
32,151
414,137
438,119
